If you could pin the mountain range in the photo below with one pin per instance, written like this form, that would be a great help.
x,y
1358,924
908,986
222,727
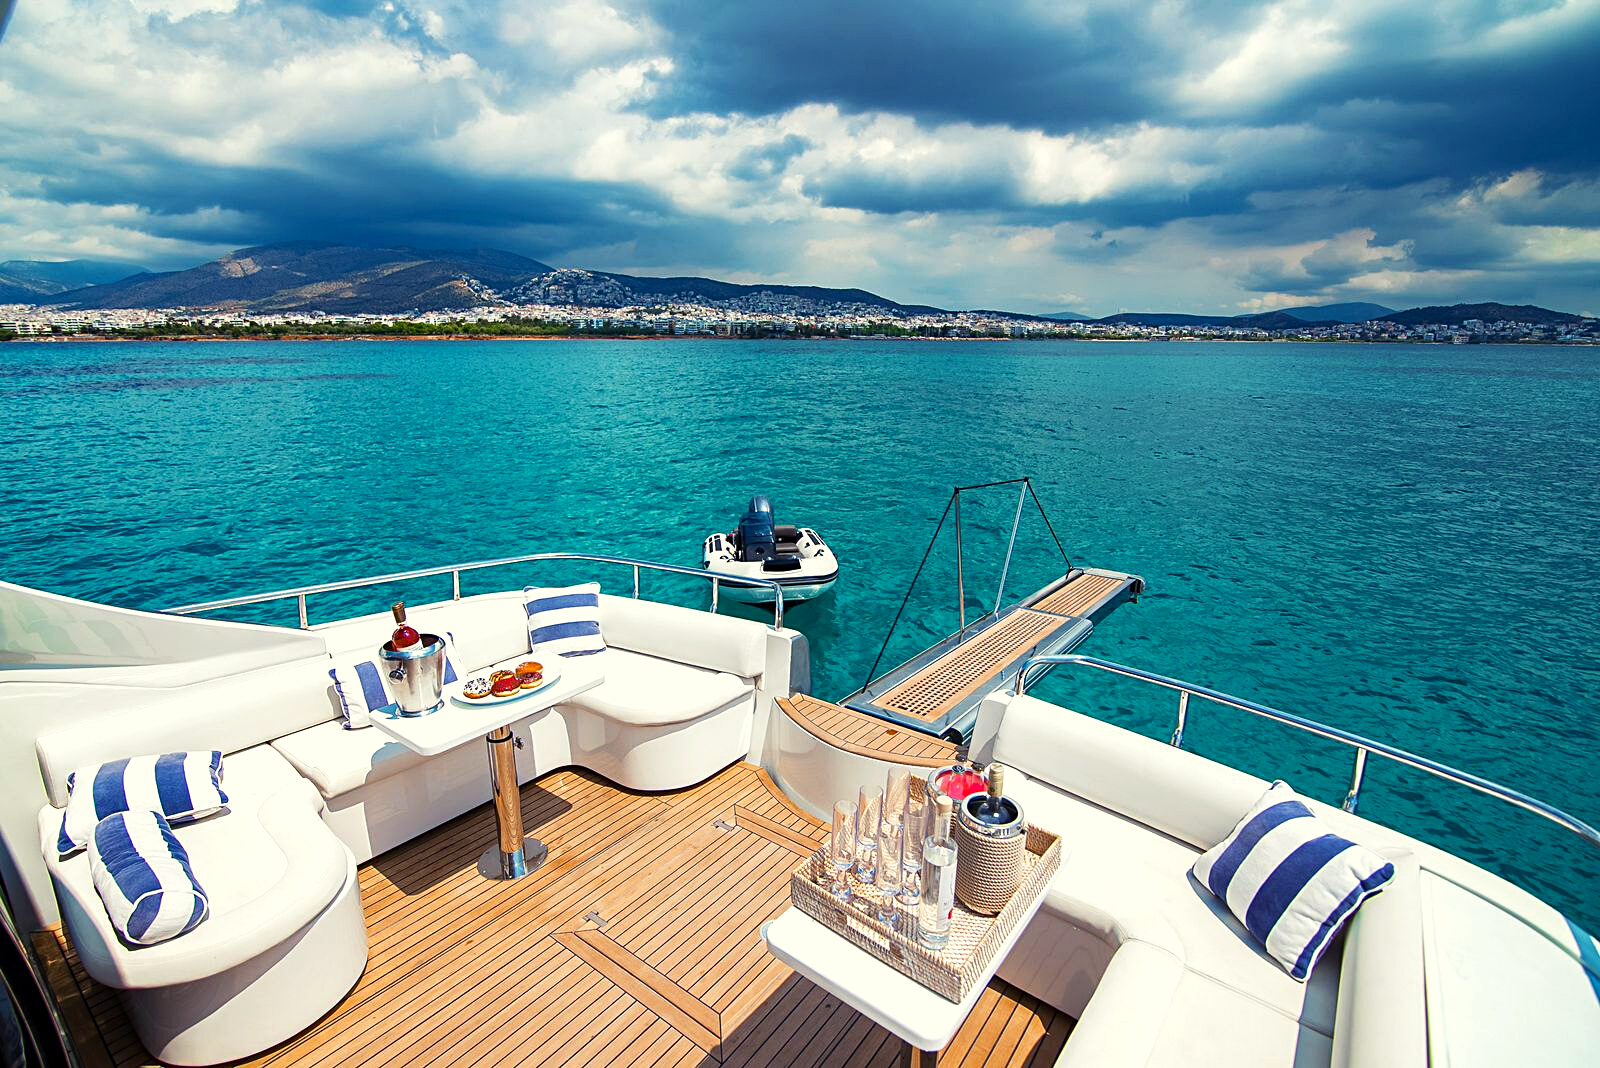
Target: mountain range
x,y
27,281
308,276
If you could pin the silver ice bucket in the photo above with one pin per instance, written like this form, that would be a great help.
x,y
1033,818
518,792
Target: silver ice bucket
x,y
416,675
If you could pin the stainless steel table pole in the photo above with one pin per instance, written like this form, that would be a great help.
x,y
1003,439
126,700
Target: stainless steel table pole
x,y
511,857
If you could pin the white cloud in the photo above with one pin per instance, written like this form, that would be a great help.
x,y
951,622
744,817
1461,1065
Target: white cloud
x,y
1289,43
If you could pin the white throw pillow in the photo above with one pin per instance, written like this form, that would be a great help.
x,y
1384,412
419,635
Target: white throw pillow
x,y
180,786
564,621
1290,880
141,872
363,685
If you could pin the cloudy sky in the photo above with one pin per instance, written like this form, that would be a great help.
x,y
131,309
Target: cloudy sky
x,y
1038,156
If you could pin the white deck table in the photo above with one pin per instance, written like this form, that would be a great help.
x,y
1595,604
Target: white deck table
x,y
926,1021
456,723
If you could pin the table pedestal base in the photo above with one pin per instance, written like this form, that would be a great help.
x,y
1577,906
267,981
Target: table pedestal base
x,y
529,859
912,1057
512,856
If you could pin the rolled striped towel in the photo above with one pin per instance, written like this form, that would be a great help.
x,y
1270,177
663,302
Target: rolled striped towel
x,y
564,621
1290,880
141,872
180,786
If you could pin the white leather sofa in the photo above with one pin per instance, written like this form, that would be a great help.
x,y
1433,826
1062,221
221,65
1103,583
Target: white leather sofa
x,y
1157,970
679,703
284,939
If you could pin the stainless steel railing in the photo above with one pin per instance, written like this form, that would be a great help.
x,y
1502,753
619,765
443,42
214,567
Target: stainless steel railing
x,y
300,593
1363,746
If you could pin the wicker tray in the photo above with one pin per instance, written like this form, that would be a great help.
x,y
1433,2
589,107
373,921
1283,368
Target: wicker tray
x,y
974,939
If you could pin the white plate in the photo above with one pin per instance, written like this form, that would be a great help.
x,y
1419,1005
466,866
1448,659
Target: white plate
x,y
453,692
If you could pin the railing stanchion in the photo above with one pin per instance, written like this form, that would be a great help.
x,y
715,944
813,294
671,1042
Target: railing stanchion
x,y
635,582
1353,798
1183,719
961,583
777,612
716,588
455,585
304,622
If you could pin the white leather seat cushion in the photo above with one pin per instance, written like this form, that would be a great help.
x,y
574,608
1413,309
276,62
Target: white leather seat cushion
x,y
339,761
646,691
268,864
1141,878
1209,1025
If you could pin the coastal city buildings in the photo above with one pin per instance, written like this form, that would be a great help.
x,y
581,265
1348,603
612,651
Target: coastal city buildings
x,y
757,315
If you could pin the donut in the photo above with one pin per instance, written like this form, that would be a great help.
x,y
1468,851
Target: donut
x,y
505,686
530,679
496,676
476,689
530,667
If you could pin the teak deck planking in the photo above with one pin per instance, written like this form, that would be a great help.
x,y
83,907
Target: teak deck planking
x,y
637,943
856,732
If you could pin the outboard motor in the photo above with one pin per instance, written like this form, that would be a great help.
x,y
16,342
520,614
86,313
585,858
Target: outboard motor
x,y
756,538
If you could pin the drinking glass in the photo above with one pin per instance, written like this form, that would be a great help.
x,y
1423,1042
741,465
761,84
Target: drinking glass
x,y
914,831
890,835
869,813
842,847
896,788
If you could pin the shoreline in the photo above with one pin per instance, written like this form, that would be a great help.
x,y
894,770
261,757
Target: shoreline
x,y
258,338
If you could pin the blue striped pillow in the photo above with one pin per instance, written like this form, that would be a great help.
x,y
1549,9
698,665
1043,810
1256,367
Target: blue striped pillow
x,y
361,686
564,621
141,872
181,786
1288,879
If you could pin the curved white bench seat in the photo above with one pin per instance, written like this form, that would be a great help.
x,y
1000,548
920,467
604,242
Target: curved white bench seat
x,y
648,691
284,939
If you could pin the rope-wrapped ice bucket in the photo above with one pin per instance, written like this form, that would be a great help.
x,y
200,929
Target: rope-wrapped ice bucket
x,y
991,837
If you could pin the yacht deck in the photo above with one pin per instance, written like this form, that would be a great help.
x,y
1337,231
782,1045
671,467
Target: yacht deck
x,y
637,943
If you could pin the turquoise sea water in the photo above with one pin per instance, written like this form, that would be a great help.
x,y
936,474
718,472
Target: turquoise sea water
x,y
1397,540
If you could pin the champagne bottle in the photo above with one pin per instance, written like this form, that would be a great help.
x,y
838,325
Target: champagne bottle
x,y
991,807
405,635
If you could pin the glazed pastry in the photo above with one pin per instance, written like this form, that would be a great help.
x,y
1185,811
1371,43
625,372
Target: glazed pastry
x,y
530,679
496,676
476,688
508,685
530,667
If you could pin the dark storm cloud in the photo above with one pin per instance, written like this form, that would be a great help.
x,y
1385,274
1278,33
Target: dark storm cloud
x,y
938,60
361,197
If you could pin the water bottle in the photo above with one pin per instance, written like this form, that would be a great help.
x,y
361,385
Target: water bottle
x,y
938,901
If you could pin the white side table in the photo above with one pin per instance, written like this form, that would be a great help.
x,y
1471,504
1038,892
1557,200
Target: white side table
x,y
926,1021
